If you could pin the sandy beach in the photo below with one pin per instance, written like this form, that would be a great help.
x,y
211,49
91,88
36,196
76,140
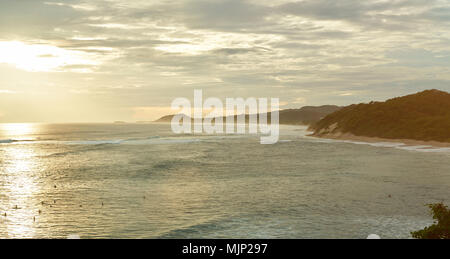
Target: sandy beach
x,y
406,142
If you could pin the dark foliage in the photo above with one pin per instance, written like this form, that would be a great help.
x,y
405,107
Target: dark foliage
x,y
441,227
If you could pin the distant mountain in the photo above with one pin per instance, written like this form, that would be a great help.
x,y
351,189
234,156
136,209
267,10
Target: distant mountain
x,y
423,116
306,115
168,118
303,116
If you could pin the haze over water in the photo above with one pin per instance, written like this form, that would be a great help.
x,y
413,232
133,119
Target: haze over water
x,y
141,181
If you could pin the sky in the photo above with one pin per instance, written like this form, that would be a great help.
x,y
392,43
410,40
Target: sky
x,y
109,60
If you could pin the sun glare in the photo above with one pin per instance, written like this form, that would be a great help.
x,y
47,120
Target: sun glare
x,y
38,57
16,129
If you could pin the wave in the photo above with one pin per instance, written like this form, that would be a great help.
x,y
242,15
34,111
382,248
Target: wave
x,y
429,149
403,146
83,149
92,142
207,225
131,141
397,145
139,139
9,141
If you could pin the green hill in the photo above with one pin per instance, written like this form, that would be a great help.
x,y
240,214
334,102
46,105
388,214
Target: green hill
x,y
422,116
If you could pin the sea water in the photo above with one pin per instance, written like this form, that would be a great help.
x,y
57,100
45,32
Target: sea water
x,y
143,181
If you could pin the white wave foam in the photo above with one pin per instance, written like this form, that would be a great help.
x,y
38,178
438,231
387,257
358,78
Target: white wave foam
x,y
163,141
91,142
376,144
131,141
7,141
429,149
135,141
398,145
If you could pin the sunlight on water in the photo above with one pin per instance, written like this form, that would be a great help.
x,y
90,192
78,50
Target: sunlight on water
x,y
19,131
20,183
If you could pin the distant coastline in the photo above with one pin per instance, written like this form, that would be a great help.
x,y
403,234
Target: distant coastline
x,y
305,116
421,119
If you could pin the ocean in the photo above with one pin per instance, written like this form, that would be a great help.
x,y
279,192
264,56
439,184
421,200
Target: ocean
x,y
143,181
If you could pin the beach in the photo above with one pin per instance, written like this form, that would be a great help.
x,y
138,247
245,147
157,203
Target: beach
x,y
405,142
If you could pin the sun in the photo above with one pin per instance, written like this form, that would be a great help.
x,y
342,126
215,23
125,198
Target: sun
x,y
40,57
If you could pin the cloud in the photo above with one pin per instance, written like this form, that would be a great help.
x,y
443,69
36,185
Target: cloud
x,y
299,100
3,91
144,53
223,14
150,113
371,14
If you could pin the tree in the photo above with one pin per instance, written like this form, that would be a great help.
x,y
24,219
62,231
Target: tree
x,y
441,227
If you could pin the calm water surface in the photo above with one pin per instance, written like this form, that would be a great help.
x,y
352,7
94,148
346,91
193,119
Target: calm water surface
x,y
141,181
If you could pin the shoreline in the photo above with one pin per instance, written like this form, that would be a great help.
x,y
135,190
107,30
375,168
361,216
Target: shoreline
x,y
405,142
